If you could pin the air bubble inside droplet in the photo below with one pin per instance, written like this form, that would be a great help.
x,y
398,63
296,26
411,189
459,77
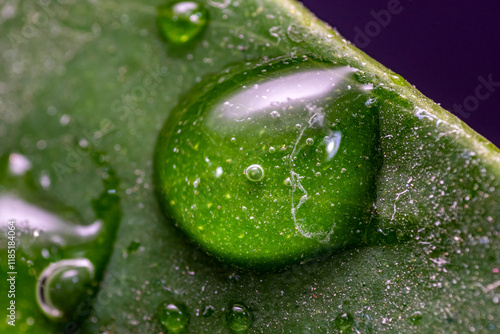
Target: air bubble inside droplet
x,y
254,172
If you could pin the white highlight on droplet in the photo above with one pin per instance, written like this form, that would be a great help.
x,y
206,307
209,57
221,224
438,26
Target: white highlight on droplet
x,y
19,164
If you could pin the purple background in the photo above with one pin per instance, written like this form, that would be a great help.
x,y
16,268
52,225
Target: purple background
x,y
441,47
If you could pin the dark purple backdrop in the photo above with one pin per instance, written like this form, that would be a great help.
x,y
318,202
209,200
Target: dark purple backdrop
x,y
445,48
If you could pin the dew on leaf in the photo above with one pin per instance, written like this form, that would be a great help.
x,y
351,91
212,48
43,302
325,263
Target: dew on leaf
x,y
238,318
309,96
181,22
19,164
254,173
62,285
174,317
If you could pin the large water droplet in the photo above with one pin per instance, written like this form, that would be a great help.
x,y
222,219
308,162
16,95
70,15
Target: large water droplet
x,y
180,22
61,257
238,318
174,317
291,221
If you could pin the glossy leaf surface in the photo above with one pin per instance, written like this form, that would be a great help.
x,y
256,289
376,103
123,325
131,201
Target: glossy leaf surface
x,y
82,77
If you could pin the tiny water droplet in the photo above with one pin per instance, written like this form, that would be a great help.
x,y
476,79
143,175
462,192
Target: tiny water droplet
x,y
309,141
272,149
180,22
397,79
233,140
238,318
275,114
174,317
318,174
19,164
344,322
416,318
298,126
254,172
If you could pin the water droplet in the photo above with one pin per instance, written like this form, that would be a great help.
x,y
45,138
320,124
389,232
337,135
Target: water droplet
x,y
233,140
275,114
309,95
238,318
254,173
65,119
19,164
62,285
416,318
180,22
363,324
221,4
332,143
174,317
344,322
318,174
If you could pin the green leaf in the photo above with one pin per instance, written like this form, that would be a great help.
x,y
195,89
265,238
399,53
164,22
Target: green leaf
x,y
85,88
